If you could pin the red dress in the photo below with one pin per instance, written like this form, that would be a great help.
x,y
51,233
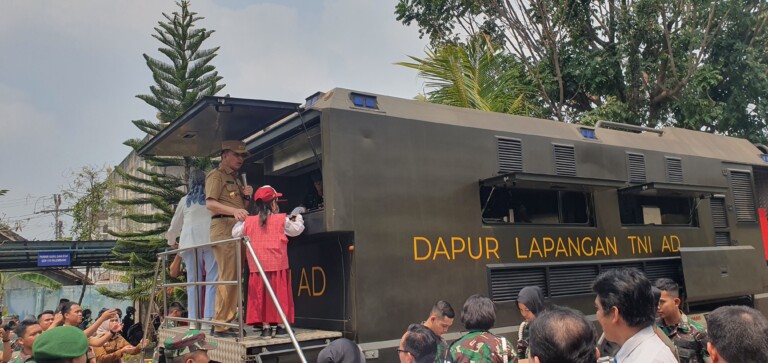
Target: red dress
x,y
271,246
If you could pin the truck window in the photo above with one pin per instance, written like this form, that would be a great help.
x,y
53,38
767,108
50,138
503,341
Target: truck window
x,y
657,210
291,164
535,206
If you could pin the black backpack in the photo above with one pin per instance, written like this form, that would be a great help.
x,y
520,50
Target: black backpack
x,y
135,334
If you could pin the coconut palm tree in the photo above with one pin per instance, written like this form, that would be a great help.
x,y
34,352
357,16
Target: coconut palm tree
x,y
33,277
475,75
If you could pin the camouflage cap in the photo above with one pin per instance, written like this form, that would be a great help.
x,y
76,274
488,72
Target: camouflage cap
x,y
188,342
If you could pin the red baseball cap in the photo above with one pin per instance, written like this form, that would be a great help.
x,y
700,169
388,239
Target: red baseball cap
x,y
266,194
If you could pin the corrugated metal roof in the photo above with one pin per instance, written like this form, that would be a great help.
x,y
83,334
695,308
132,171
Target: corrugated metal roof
x,y
23,254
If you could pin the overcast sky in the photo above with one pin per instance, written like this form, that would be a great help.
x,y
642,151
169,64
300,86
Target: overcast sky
x,y
69,71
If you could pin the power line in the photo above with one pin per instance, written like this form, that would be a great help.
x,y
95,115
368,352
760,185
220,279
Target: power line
x,y
59,226
28,197
17,203
22,216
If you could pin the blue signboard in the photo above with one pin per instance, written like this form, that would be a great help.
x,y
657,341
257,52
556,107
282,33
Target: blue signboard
x,y
48,259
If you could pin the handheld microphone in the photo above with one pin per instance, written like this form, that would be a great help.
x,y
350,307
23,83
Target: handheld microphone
x,y
244,179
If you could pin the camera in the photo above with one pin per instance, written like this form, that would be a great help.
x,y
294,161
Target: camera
x,y
10,325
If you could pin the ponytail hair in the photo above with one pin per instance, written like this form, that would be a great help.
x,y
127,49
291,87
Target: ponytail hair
x,y
264,210
196,187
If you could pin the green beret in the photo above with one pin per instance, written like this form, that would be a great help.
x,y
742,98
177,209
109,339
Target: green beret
x,y
186,343
60,343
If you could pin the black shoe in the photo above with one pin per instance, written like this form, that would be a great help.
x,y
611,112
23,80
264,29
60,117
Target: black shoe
x,y
225,333
281,332
266,333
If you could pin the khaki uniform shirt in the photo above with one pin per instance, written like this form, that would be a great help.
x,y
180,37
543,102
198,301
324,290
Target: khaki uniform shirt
x,y
221,184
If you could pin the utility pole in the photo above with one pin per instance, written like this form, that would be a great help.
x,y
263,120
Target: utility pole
x,y
58,225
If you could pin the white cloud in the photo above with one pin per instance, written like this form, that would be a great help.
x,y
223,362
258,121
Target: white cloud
x,y
71,69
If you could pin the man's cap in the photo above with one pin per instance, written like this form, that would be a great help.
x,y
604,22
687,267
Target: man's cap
x,y
60,343
234,145
192,340
11,317
266,194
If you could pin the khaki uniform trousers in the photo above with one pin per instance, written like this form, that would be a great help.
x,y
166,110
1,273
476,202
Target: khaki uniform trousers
x,y
226,258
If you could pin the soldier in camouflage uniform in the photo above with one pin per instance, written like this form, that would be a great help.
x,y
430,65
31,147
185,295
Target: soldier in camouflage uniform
x,y
189,347
439,321
689,337
26,332
479,345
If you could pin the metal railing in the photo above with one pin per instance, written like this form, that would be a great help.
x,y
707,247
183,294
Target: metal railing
x,y
288,327
240,312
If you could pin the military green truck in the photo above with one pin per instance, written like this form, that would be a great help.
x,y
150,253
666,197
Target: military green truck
x,y
423,202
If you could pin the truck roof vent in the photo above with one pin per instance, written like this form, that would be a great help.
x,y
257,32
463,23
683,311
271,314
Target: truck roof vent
x,y
743,196
565,160
674,170
636,167
510,155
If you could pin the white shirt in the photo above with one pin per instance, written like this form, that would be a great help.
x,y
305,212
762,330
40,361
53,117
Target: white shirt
x,y
292,228
645,347
193,223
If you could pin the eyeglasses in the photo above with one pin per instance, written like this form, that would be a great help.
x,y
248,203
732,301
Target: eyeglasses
x,y
404,351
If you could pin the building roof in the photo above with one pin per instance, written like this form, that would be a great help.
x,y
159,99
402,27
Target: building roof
x,y
9,235
24,254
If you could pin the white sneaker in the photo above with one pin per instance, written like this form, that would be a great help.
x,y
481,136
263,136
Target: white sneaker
x,y
206,326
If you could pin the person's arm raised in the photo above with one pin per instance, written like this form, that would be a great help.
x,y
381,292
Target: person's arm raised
x,y
96,324
7,350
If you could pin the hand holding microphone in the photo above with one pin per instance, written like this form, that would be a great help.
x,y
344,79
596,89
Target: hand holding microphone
x,y
246,189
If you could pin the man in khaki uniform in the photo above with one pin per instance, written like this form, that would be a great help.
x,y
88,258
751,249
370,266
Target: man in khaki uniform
x,y
225,198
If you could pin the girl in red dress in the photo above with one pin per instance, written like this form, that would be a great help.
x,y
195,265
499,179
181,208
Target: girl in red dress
x,y
268,232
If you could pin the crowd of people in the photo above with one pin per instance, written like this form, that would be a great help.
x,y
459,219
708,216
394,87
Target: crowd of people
x,y
640,325
62,336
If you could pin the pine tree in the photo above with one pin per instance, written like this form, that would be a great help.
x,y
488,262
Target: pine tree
x,y
180,81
